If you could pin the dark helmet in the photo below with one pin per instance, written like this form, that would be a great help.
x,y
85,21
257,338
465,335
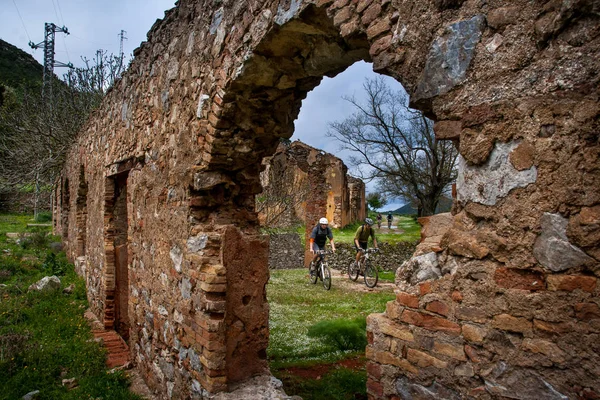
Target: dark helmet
x,y
369,221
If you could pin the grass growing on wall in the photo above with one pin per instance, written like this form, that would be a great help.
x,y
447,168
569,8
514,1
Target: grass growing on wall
x,y
44,337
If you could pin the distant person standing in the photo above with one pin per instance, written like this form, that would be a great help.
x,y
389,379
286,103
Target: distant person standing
x,y
390,217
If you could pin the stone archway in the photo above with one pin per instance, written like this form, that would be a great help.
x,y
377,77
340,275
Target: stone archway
x,y
216,86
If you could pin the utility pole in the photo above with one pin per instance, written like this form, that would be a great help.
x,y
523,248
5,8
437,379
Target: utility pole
x,y
49,63
121,55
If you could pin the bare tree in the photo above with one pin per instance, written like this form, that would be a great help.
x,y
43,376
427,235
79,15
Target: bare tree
x,y
36,132
396,146
284,191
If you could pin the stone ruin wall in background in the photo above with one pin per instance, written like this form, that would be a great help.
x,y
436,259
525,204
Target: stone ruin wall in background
x,y
319,174
182,135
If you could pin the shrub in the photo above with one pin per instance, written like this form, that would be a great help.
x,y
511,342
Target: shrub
x,y
45,216
55,264
341,334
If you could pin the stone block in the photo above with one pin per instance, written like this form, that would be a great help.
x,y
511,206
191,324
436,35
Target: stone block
x,y
374,370
552,327
552,248
451,350
399,331
511,278
465,370
431,323
572,282
549,349
474,333
447,130
471,314
472,354
393,310
378,27
587,311
499,17
374,388
510,323
425,360
371,13
386,358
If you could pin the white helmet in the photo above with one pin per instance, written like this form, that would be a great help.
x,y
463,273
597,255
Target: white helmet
x,y
323,221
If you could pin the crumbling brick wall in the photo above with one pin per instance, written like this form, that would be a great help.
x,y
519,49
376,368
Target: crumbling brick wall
x,y
286,176
219,83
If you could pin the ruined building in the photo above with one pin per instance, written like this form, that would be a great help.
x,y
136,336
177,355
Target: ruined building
x,y
296,177
157,199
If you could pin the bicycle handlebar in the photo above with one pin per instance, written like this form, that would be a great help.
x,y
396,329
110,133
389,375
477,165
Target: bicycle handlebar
x,y
371,250
321,252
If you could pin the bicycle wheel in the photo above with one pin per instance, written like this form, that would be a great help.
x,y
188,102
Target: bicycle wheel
x,y
371,275
326,277
314,273
353,271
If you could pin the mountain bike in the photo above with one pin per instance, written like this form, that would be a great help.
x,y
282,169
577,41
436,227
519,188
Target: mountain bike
x,y
321,271
365,268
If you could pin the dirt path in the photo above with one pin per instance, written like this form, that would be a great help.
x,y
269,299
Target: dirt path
x,y
340,279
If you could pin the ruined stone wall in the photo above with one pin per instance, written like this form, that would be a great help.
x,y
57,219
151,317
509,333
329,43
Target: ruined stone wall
x,y
287,189
216,87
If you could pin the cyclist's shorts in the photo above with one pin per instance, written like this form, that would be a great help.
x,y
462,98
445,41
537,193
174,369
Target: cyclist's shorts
x,y
316,247
363,245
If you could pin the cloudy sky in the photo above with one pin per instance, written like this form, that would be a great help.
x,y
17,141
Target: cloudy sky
x,y
96,25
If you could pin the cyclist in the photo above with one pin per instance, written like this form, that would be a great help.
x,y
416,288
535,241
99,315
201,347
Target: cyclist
x,y
379,218
361,237
318,238
390,218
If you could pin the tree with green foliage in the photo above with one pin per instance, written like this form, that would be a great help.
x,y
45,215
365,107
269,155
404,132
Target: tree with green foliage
x,y
375,201
395,146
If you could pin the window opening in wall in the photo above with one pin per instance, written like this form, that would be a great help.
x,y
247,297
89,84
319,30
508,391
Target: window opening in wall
x,y
82,193
117,271
337,119
66,200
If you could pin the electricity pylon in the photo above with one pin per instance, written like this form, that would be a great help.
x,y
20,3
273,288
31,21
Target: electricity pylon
x,y
121,55
49,61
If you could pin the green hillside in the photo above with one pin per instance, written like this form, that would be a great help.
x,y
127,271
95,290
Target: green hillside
x,y
17,67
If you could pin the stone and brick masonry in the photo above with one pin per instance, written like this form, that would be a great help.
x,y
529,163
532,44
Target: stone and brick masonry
x,y
303,175
181,138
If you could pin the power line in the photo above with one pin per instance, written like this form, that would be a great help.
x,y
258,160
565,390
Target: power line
x,y
49,62
23,22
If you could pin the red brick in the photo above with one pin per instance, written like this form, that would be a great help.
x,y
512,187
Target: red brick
x,y
572,282
408,299
587,311
512,278
425,288
430,322
457,296
374,370
438,307
374,388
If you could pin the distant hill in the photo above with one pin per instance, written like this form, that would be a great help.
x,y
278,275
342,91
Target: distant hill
x,y
444,205
17,67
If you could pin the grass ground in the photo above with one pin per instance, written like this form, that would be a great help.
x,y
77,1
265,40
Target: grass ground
x,y
297,307
44,337
404,229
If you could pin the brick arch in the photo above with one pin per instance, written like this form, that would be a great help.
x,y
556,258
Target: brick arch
x,y
213,90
